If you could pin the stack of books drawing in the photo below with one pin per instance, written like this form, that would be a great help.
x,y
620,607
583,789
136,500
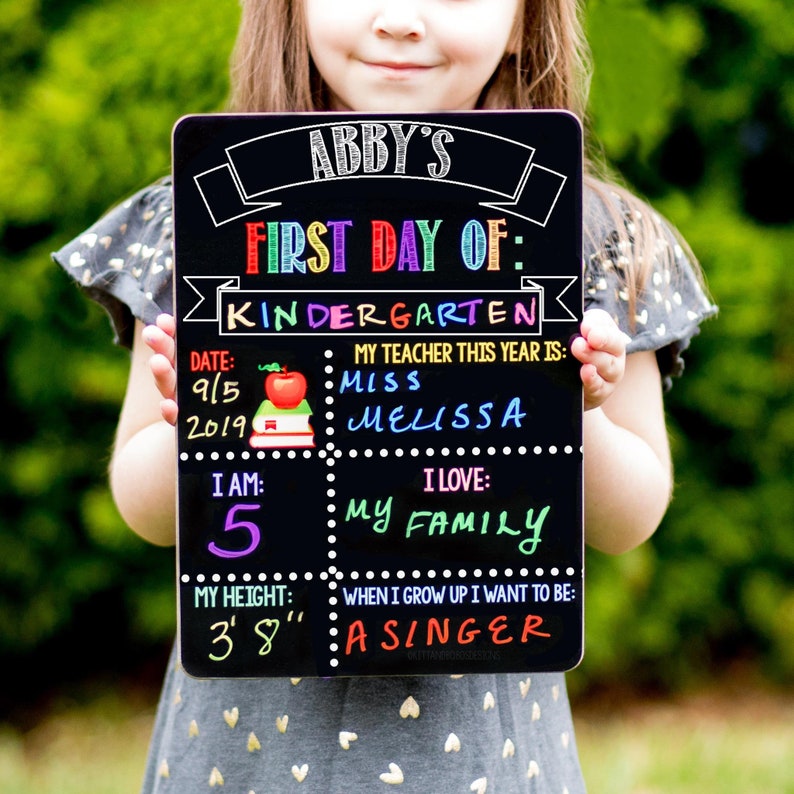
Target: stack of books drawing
x,y
282,427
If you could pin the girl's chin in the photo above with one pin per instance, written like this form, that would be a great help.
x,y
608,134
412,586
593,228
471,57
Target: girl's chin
x,y
393,103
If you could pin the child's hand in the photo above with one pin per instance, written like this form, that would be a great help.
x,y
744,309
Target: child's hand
x,y
160,338
602,350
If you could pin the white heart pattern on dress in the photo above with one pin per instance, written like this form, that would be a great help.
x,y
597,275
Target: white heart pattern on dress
x,y
300,772
394,777
409,708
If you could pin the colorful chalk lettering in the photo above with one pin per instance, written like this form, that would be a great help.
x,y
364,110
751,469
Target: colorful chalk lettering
x,y
379,440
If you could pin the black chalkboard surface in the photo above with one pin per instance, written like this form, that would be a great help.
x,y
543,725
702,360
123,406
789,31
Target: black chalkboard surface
x,y
380,432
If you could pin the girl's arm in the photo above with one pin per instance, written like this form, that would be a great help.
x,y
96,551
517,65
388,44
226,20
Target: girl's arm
x,y
143,466
627,467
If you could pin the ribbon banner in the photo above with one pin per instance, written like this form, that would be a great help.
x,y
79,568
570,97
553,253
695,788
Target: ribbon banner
x,y
380,429
220,300
379,150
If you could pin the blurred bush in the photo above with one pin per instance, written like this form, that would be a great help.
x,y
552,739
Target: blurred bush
x,y
693,103
714,585
89,93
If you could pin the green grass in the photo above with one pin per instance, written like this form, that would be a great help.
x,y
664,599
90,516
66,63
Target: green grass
x,y
728,743
723,744
95,747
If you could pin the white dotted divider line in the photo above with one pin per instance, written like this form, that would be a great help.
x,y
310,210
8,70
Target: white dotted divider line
x,y
333,575
330,453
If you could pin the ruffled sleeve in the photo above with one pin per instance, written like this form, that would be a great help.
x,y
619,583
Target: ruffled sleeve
x,y
125,260
669,307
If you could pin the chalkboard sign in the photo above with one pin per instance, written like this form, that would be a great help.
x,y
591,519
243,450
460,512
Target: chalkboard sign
x,y
379,440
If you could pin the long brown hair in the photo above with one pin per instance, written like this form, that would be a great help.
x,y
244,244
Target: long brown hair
x,y
547,66
272,69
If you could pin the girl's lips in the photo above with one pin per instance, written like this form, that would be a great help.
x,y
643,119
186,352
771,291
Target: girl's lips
x,y
398,68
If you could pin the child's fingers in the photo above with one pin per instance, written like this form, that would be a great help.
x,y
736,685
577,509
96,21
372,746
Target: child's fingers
x,y
608,340
596,390
601,349
595,318
164,375
592,381
579,348
168,409
609,367
609,364
602,333
159,341
167,324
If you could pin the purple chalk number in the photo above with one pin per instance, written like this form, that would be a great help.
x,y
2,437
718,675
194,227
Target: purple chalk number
x,y
233,525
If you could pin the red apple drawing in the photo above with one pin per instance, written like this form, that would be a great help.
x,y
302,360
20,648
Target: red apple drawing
x,y
285,389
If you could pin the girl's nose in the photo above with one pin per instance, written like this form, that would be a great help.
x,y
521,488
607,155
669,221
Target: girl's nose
x,y
399,19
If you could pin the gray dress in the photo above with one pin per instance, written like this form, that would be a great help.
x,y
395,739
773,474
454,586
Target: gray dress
x,y
419,735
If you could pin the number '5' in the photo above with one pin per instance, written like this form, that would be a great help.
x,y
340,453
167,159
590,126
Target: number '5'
x,y
233,525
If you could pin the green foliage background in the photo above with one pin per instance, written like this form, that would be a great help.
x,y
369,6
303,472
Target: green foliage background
x,y
693,102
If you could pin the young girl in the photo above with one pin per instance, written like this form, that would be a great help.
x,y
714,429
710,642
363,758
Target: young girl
x,y
500,733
